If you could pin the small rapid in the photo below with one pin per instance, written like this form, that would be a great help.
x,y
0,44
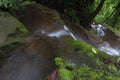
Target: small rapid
x,y
57,33
105,47
63,32
99,29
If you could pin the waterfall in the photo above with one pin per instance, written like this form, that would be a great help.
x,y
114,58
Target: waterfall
x,y
105,47
65,27
58,33
62,32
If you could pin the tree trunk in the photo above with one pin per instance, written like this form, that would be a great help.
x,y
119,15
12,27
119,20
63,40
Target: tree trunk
x,y
90,18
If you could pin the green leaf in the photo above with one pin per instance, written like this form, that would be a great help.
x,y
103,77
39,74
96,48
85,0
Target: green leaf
x,y
94,51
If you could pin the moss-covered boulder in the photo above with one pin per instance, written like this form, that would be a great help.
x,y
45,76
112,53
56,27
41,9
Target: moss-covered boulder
x,y
12,32
79,61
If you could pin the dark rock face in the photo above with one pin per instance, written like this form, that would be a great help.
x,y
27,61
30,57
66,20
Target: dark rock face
x,y
32,62
40,17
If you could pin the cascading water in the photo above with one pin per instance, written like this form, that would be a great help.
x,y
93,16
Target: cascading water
x,y
58,34
105,47
65,27
63,32
99,28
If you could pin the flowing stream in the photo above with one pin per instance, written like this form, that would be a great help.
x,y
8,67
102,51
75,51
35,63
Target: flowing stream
x,y
105,47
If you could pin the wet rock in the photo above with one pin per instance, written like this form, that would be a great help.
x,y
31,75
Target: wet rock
x,y
83,34
31,62
39,17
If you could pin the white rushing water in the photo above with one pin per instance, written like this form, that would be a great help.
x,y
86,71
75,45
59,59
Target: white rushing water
x,y
62,32
58,34
65,27
105,47
99,28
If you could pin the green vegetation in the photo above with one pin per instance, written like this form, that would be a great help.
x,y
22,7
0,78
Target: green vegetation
x,y
13,33
92,66
14,4
84,72
109,13
81,11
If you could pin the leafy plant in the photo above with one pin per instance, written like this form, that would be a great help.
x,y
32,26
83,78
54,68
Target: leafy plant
x,y
62,63
13,4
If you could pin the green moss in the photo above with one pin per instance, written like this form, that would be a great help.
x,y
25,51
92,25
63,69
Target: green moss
x,y
21,29
81,44
64,74
85,53
62,63
27,3
85,48
85,72
13,33
91,51
17,36
59,62
93,64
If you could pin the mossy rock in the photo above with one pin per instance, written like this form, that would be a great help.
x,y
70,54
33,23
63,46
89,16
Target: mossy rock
x,y
81,52
12,32
80,61
85,72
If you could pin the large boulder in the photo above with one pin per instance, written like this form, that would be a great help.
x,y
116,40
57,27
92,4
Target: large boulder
x,y
80,61
37,17
12,32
